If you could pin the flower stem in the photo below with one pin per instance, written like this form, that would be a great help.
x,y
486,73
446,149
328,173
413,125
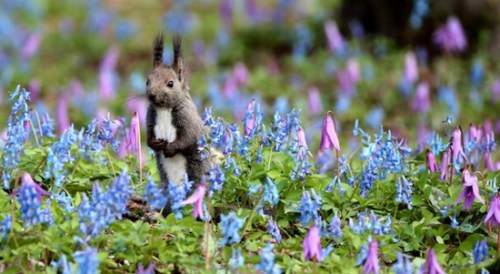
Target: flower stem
x,y
269,160
498,242
110,162
34,133
207,237
485,198
253,213
315,268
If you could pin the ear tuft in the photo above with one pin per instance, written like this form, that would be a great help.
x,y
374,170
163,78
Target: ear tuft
x,y
178,64
158,50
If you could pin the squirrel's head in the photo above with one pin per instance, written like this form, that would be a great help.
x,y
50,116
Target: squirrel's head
x,y
166,85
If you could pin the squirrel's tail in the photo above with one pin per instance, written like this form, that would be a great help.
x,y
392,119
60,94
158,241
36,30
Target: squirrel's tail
x,y
158,50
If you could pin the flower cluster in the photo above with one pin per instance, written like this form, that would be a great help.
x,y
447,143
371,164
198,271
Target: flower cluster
x,y
58,155
177,194
404,190
17,133
30,199
309,207
370,223
154,195
230,226
267,264
105,206
5,227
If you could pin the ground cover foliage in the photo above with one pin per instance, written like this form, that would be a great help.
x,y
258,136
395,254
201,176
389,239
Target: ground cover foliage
x,y
320,166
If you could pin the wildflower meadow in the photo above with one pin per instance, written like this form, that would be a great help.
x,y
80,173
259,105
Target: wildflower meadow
x,y
334,148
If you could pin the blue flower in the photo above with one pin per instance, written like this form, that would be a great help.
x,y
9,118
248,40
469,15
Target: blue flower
x,y
5,226
270,193
32,212
16,133
230,226
334,229
88,262
273,229
63,265
309,207
216,179
154,195
404,191
267,264
237,259
370,223
177,194
58,155
403,265
480,251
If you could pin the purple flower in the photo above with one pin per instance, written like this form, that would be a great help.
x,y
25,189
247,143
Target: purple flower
x,y
421,101
411,68
301,138
493,216
451,37
62,113
456,145
471,190
329,139
149,270
335,40
431,265
106,73
315,105
371,264
445,161
240,74
226,12
312,245
431,161
495,90
31,45
197,200
26,179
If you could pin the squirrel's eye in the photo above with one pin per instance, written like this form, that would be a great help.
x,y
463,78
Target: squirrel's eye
x,y
170,83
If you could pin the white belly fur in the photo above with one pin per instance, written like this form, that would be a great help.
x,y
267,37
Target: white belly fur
x,y
174,167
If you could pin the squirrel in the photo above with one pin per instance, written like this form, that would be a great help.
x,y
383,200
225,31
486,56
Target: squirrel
x,y
173,123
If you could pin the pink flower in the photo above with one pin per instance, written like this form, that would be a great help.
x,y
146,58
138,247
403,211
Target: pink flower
x,y
197,200
411,68
34,88
26,179
471,190
250,120
431,161
312,244
329,139
315,105
137,105
62,113
31,46
431,265
445,161
240,74
371,264
106,73
334,38
456,145
493,216
495,90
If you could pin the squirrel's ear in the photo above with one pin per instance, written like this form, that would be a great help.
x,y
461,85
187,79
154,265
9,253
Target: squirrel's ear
x,y
158,50
178,65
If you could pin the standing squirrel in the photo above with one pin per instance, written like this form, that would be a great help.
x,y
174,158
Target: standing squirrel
x,y
173,123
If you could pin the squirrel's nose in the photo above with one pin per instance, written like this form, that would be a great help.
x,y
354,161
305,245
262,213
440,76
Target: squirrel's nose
x,y
151,96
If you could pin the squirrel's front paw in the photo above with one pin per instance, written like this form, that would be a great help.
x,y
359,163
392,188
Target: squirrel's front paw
x,y
169,151
157,144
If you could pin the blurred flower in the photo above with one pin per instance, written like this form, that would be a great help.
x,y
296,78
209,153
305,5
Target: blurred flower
x,y
403,265
411,68
107,76
431,161
420,9
334,229
477,73
273,229
226,12
493,216
334,38
421,102
371,264
31,45
315,104
312,245
470,192
34,88
374,117
63,265
451,37
197,200
230,226
87,260
448,96
480,251
267,264
149,270
431,265
5,227
495,90
370,223
237,259
302,42
329,139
